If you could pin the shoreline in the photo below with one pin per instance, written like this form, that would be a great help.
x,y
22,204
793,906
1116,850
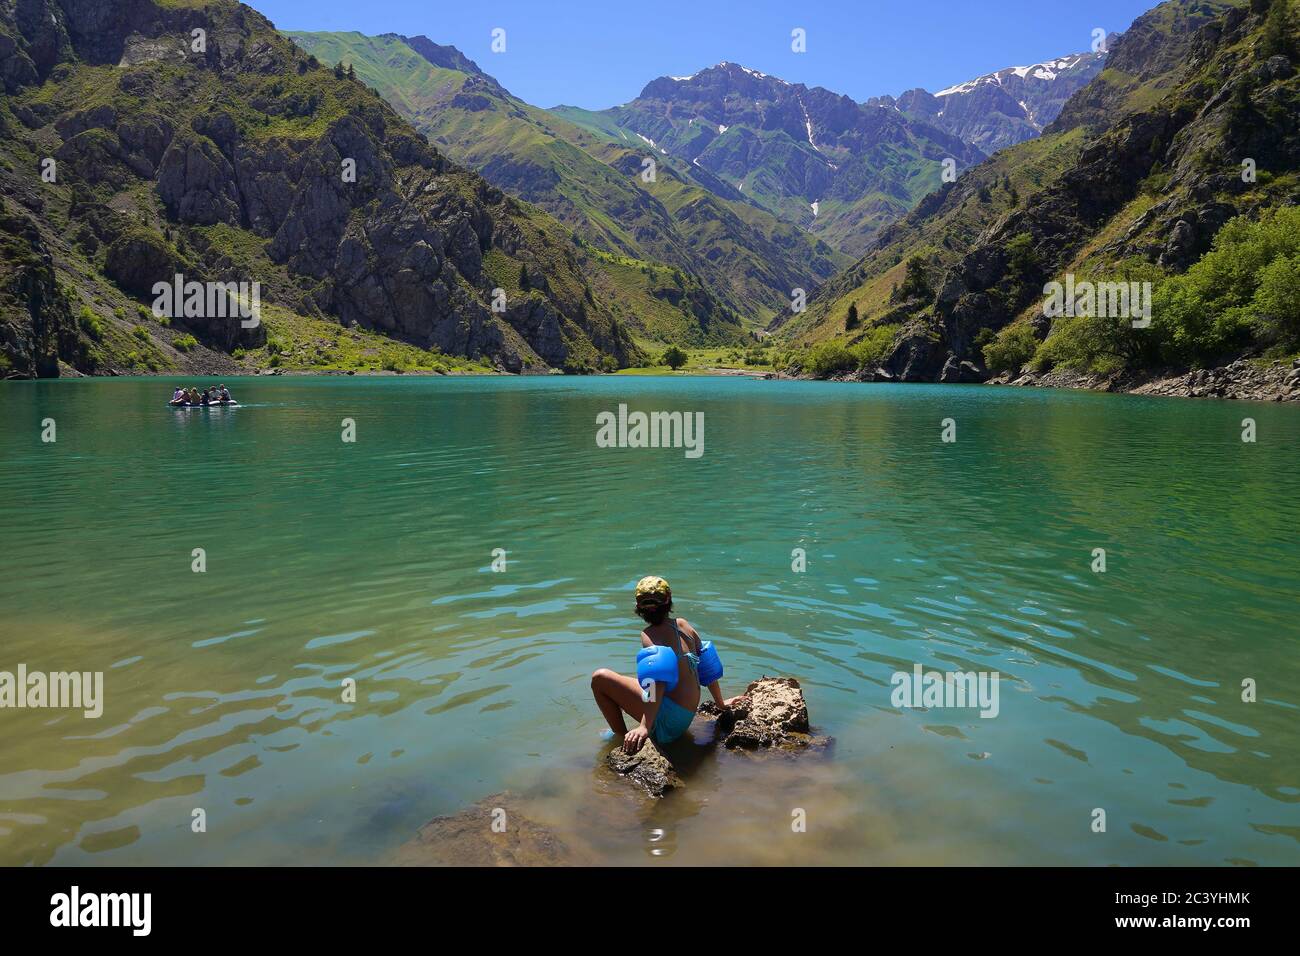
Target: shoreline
x,y
1241,380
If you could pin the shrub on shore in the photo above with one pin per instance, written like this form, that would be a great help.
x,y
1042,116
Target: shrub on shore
x,y
837,357
1010,349
1242,293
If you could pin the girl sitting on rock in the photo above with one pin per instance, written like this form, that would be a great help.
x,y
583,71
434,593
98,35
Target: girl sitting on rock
x,y
667,714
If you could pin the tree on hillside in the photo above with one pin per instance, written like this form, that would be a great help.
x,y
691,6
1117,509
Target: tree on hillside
x,y
1241,109
1021,258
1277,30
523,276
916,282
674,358
851,321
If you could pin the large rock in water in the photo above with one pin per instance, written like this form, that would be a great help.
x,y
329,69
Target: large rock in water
x,y
772,713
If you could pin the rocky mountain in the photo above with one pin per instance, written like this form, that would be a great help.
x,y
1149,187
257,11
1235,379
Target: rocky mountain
x,y
753,173
838,168
1175,166
744,257
140,139
1001,109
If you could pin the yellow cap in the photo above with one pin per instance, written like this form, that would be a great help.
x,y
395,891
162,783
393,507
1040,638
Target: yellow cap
x,y
652,588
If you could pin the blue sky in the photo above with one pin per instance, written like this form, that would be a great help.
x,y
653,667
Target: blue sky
x,y
598,53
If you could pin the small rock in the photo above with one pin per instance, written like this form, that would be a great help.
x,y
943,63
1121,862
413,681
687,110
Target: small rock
x,y
648,768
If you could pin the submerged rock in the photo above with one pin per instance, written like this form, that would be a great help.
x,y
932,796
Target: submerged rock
x,y
649,769
493,832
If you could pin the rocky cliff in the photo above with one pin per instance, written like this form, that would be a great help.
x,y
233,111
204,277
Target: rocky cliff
x,y
144,139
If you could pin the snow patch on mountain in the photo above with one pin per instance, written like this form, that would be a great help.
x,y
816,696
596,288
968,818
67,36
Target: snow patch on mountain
x,y
807,124
959,88
1046,71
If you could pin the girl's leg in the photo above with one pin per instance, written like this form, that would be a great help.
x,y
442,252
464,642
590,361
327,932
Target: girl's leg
x,y
616,693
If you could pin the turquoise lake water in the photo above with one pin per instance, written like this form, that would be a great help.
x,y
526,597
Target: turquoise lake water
x,y
372,560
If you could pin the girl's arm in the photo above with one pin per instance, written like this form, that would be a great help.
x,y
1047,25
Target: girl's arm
x,y
716,690
716,687
635,738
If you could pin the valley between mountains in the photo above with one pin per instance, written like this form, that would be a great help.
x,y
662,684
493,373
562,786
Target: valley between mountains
x,y
728,218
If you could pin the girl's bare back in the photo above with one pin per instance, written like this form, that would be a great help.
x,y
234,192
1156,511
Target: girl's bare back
x,y
683,640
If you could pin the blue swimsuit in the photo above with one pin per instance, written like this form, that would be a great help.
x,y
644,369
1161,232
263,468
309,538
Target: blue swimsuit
x,y
673,719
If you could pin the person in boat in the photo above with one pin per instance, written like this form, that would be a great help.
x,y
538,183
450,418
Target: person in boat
x,y
225,396
178,396
193,397
668,714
